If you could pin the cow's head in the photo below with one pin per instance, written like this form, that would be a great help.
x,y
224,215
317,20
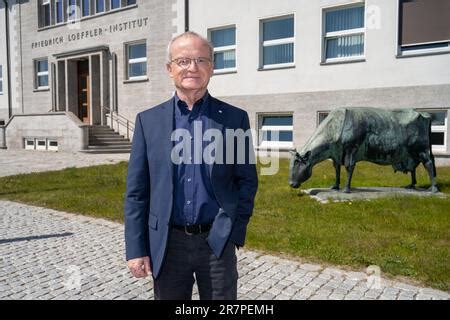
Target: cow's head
x,y
300,168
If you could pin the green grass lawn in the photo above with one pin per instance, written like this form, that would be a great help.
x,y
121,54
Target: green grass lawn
x,y
404,236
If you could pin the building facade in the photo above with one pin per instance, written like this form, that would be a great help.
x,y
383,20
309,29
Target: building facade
x,y
288,63
74,63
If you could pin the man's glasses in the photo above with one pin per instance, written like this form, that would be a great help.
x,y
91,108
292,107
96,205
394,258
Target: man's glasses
x,y
186,62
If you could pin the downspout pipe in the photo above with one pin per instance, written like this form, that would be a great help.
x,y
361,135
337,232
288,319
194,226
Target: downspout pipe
x,y
8,59
186,15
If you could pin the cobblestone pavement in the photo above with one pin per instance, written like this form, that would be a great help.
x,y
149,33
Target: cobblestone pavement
x,y
46,254
26,161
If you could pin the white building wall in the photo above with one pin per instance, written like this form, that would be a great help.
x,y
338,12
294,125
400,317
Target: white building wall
x,y
381,68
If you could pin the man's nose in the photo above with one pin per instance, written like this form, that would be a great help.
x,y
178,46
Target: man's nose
x,y
193,66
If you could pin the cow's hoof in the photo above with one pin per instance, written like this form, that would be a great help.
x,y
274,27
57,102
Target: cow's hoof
x,y
346,190
433,189
410,186
334,187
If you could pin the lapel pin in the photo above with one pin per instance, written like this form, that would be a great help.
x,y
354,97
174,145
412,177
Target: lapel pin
x,y
220,111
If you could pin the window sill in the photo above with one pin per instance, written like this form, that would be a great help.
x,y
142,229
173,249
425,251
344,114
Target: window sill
x,y
276,67
135,80
224,71
421,54
41,89
341,61
92,16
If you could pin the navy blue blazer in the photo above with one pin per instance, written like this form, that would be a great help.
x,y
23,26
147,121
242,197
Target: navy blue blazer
x,y
149,190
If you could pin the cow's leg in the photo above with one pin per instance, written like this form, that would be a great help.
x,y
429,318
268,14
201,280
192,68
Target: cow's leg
x,y
337,168
349,169
428,163
413,180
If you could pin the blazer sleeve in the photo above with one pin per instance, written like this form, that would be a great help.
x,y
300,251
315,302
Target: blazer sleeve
x,y
137,197
246,179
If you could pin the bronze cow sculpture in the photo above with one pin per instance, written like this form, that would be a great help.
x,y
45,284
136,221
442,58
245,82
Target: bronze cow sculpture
x,y
400,138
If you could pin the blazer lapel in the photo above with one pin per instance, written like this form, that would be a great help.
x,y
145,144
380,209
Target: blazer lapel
x,y
166,132
216,122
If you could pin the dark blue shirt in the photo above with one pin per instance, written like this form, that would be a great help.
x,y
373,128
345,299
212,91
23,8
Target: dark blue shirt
x,y
194,201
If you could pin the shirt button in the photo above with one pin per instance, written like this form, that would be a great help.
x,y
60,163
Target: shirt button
x,y
188,202
189,179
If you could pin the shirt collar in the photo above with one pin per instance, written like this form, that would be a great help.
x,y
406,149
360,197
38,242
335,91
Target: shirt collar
x,y
181,107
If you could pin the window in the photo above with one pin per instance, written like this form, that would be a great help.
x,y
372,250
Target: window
x,y
130,2
115,4
59,12
29,144
424,27
224,43
1,80
85,8
136,60
344,33
44,14
72,10
277,47
321,115
275,131
41,67
99,6
439,130
52,145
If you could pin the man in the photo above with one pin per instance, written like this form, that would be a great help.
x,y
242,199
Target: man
x,y
186,218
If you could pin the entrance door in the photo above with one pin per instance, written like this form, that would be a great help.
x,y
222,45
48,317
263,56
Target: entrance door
x,y
84,92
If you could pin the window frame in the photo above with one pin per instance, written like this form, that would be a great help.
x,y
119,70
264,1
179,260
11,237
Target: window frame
x,y
113,9
224,48
82,9
63,20
96,7
129,61
42,4
38,74
440,129
264,144
319,113
342,33
269,43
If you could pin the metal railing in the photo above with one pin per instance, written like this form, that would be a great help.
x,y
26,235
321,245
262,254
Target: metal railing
x,y
120,121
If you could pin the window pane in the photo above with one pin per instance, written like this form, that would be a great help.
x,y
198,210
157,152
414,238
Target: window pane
x,y
278,29
277,121
42,66
100,5
226,59
223,37
345,19
46,9
285,136
42,81
437,138
282,53
1,71
137,69
115,4
438,118
130,2
322,116
1,85
59,12
345,46
86,8
137,51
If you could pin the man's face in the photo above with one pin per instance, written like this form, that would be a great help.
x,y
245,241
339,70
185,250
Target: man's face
x,y
195,76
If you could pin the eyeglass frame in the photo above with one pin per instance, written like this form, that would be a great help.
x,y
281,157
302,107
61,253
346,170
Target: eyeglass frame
x,y
190,61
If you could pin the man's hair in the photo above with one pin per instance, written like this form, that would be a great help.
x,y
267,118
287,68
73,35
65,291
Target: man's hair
x,y
188,34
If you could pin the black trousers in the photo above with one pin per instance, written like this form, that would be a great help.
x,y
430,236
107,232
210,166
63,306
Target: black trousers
x,y
190,256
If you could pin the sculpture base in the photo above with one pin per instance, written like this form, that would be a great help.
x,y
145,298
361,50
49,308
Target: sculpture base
x,y
325,195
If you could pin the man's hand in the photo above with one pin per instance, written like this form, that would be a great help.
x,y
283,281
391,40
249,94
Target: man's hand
x,y
140,267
